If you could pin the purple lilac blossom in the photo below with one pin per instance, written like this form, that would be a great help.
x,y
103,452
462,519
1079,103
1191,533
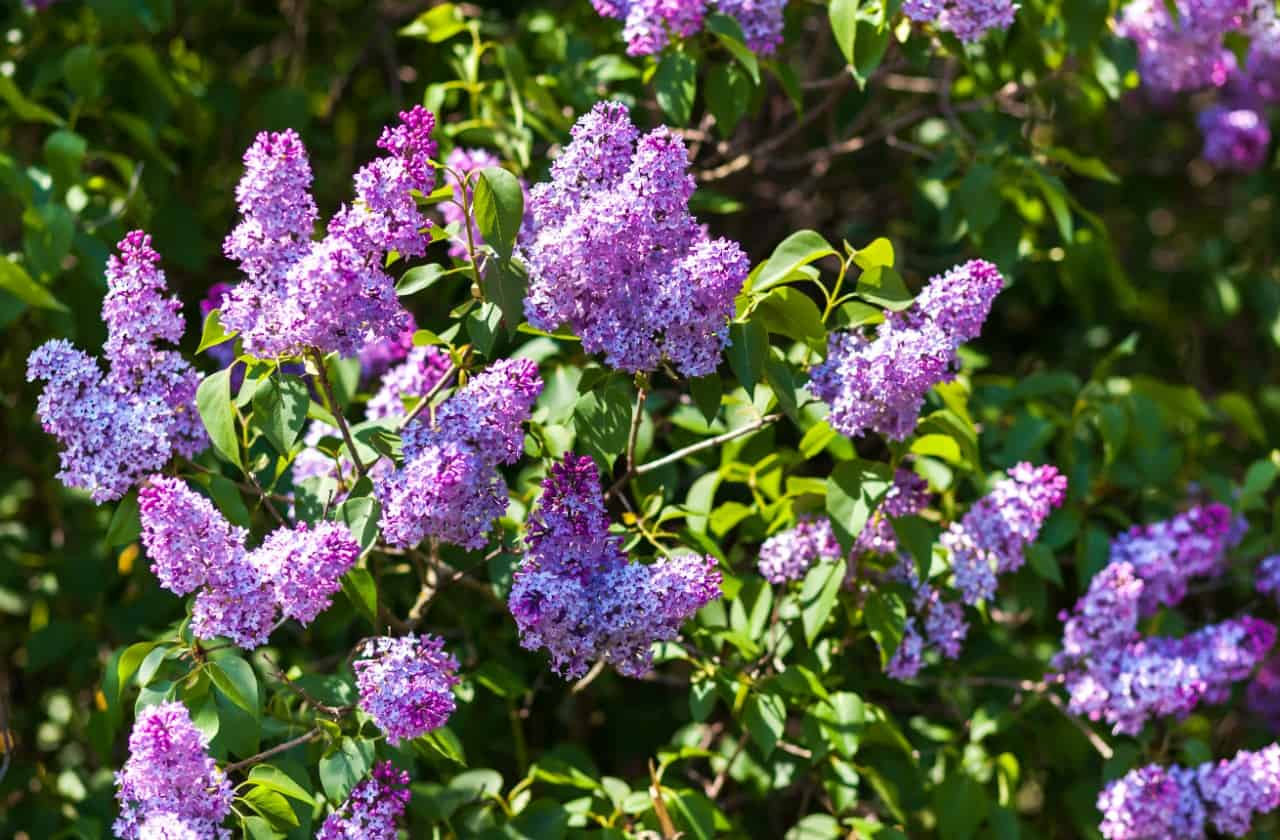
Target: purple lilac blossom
x,y
372,808
788,554
649,25
170,776
1263,694
239,593
1235,138
449,487
908,659
332,294
117,428
945,627
1167,554
1111,672
1179,803
968,20
1267,580
421,370
993,536
616,256
879,384
406,684
1186,53
168,826
576,594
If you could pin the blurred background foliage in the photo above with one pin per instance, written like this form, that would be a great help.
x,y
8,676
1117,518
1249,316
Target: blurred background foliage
x,y
1136,348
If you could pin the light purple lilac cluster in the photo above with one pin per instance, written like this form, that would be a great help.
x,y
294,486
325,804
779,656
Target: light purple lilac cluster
x,y
649,25
330,294
968,20
576,594
170,786
788,554
1113,673
992,538
1267,579
1166,555
1188,52
377,357
943,622
239,593
1180,803
449,487
616,255
118,428
1263,694
879,384
406,684
371,810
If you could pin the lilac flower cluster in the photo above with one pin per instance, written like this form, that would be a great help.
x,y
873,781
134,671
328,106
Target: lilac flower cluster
x,y
1166,555
576,594
372,808
377,357
406,684
880,384
421,371
170,787
649,25
1188,52
331,294
968,20
239,593
1179,803
1267,580
1112,672
788,554
1262,697
991,539
616,256
117,428
449,487
944,624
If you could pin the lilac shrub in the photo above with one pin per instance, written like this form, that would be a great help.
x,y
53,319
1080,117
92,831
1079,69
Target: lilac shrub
x,y
650,25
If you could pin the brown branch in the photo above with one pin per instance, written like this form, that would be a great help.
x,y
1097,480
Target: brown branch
x,y
276,750
336,410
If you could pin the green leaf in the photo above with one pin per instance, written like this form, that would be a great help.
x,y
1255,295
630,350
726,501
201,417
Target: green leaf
x,y
886,617
748,352
818,597
602,419
125,525
790,312
422,277
854,489
728,95
15,280
841,719
345,768
130,661
445,743
499,208
782,380
879,254
798,249
64,151
82,68
213,332
276,779
1044,564
226,495
676,84
766,717
815,827
260,828
883,286
505,283
437,24
213,401
844,25
961,805
235,679
917,535
361,590
979,197
271,805
483,324
707,392
24,108
280,410
1090,167
361,516
729,33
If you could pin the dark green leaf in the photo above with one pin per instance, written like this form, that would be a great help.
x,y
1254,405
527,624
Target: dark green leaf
x,y
213,401
854,489
505,282
729,32
235,679
818,597
748,351
798,249
728,93
766,717
883,286
359,587
790,312
345,768
499,208
676,84
886,617
15,280
707,392
271,805
276,779
280,410
125,524
602,419
483,324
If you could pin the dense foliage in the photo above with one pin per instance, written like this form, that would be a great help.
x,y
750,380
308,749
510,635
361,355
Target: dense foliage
x,y
625,418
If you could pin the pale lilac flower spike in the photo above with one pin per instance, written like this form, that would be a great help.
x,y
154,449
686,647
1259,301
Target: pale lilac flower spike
x,y
372,809
576,594
117,428
170,787
406,684
879,384
616,256
968,20
649,25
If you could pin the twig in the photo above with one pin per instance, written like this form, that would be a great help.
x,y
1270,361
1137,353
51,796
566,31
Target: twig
x,y
588,678
336,410
753,426
278,673
430,395
276,750
713,790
